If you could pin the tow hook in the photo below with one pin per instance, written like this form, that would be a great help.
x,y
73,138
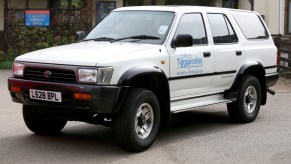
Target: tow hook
x,y
272,92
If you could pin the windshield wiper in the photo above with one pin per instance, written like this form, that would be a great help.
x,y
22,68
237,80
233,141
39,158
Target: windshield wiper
x,y
140,37
98,39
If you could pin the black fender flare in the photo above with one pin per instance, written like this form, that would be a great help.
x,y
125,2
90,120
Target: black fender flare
x,y
135,72
243,70
162,90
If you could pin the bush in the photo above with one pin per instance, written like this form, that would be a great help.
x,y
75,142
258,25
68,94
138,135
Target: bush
x,y
5,65
21,39
7,60
31,39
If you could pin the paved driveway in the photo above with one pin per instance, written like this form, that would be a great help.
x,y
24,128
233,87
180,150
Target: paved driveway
x,y
205,135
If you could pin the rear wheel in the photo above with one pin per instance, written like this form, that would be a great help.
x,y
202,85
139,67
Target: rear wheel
x,y
41,124
137,124
247,107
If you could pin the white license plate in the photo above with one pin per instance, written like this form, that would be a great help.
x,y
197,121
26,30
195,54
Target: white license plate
x,y
45,95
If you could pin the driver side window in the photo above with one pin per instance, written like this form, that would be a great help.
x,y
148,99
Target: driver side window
x,y
192,24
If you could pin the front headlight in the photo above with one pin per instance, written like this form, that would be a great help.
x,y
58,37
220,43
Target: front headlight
x,y
18,69
99,75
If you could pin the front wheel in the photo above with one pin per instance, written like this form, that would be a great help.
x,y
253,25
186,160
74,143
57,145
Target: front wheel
x,y
247,107
137,124
41,124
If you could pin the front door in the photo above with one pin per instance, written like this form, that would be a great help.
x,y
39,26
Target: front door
x,y
191,68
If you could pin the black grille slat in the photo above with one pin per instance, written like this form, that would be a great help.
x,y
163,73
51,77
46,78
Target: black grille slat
x,y
67,76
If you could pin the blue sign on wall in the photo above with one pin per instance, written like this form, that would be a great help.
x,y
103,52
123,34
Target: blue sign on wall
x,y
37,18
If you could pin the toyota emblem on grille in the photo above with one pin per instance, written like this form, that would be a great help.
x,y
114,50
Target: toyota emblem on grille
x,y
47,74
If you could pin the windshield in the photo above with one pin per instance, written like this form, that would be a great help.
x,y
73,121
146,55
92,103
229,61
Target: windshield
x,y
150,27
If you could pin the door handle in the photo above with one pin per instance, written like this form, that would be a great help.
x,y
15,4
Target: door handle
x,y
206,54
238,53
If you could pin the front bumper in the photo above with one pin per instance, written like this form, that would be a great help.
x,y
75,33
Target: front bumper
x,y
105,99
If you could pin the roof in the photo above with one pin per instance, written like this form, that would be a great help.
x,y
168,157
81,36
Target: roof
x,y
176,9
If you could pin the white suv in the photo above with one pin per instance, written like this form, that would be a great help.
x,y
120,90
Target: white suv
x,y
139,65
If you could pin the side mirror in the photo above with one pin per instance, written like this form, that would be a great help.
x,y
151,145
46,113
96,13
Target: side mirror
x,y
183,40
80,35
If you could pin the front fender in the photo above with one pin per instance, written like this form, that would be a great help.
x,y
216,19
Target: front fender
x,y
135,72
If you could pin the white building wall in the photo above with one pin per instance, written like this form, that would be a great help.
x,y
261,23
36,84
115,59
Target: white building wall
x,y
1,15
271,10
119,3
218,3
244,5
274,15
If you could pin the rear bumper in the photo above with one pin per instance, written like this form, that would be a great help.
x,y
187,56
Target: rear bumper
x,y
271,79
105,99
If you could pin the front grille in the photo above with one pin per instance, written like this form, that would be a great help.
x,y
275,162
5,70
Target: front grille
x,y
56,75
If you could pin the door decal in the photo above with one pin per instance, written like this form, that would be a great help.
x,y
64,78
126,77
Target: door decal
x,y
188,65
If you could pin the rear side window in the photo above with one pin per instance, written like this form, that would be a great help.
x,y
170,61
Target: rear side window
x,y
251,25
222,31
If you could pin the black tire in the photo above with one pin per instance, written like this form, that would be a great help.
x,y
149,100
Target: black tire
x,y
124,124
41,124
237,110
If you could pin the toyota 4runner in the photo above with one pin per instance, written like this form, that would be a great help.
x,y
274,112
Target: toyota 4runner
x,y
139,65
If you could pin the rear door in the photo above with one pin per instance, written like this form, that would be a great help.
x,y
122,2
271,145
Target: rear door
x,y
228,51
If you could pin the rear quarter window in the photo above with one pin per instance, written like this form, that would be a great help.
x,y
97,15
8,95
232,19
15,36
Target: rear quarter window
x,y
251,25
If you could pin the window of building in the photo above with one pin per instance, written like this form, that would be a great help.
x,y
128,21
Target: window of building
x,y
251,25
230,3
289,17
64,11
193,24
221,29
15,11
104,8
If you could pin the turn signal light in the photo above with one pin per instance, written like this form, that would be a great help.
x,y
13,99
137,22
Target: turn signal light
x,y
82,96
15,89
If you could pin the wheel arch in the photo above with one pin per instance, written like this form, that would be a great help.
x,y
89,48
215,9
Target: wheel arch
x,y
252,68
153,79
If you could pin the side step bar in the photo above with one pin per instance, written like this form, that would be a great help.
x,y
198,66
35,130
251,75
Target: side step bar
x,y
189,104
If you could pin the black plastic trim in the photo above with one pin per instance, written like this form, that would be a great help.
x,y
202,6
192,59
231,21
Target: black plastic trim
x,y
271,67
271,79
133,73
242,71
105,99
202,75
188,98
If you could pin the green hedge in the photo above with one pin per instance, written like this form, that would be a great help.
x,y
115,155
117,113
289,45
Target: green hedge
x,y
30,39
